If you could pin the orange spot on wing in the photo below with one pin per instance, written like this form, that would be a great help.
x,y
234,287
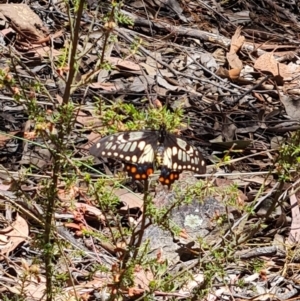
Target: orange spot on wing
x,y
137,176
144,176
133,169
149,171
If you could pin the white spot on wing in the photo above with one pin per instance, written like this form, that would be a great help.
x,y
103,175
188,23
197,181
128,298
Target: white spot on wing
x,y
183,156
174,150
134,159
108,145
133,146
135,136
180,154
175,165
127,158
141,145
186,147
147,155
127,146
168,157
181,143
121,139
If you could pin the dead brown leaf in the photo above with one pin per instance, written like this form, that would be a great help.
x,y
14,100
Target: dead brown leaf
x,y
13,235
30,135
81,117
267,62
223,182
5,187
132,200
149,69
234,62
234,74
294,235
222,72
142,278
292,108
91,211
124,64
24,21
73,226
116,86
195,281
5,138
43,51
68,196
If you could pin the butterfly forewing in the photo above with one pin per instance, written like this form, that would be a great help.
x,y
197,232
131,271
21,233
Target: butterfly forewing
x,y
136,149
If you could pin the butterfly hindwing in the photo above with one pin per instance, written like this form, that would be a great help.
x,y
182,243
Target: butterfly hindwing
x,y
139,171
178,156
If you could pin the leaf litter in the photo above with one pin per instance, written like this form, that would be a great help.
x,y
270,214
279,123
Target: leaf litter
x,y
234,67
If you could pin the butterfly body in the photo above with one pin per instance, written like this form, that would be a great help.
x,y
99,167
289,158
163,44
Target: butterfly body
x,y
144,151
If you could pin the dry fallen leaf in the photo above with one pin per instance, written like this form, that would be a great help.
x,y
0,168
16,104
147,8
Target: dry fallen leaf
x,y
142,278
124,64
294,235
91,211
195,281
234,74
292,108
68,196
24,21
234,62
132,200
13,235
114,86
267,62
4,138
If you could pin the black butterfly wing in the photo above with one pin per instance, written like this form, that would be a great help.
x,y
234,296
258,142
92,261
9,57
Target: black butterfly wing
x,y
136,149
178,156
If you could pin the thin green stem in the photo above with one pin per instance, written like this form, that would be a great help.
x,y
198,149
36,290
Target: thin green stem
x,y
73,58
52,195
143,222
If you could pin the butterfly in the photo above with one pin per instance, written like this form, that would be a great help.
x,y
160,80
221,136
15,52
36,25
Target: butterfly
x,y
144,151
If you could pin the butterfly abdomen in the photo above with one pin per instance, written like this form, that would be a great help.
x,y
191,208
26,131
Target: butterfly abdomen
x,y
159,156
